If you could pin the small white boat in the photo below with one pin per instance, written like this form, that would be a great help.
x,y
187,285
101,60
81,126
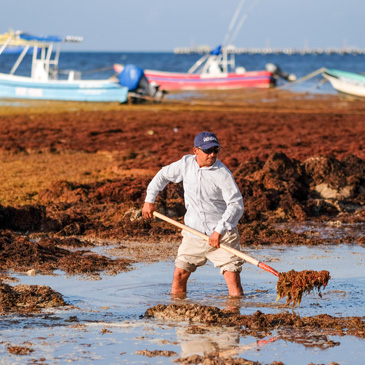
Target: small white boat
x,y
43,82
348,83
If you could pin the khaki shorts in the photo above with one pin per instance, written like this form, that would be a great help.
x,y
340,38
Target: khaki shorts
x,y
194,252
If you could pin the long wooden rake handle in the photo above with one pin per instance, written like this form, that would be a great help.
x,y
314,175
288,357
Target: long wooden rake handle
x,y
240,254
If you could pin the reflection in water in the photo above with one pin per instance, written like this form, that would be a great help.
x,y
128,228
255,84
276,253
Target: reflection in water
x,y
233,304
212,340
251,346
307,338
204,340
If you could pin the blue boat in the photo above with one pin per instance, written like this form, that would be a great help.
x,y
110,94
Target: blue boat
x,y
43,83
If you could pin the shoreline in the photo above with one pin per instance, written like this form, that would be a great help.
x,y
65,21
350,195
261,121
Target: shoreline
x,y
253,100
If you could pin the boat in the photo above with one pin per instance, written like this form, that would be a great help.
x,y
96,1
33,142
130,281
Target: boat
x,y
214,71
347,83
44,82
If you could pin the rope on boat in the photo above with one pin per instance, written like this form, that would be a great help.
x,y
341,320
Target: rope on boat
x,y
288,85
318,84
304,78
98,70
108,68
293,83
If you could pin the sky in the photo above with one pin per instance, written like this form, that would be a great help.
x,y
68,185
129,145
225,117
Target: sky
x,y
162,25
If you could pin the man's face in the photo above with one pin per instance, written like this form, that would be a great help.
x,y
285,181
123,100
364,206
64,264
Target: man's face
x,y
206,158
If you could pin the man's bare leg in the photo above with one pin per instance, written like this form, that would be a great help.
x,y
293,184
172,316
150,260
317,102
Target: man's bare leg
x,y
233,280
179,281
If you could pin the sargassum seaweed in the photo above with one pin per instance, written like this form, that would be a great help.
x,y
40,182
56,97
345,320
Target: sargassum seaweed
x,y
293,284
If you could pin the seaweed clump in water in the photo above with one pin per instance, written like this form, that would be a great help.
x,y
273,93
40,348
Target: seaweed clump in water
x,y
293,284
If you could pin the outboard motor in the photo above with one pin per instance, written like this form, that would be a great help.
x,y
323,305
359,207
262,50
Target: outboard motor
x,y
276,71
135,80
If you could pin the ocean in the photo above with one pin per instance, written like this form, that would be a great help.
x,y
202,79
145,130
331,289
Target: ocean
x,y
99,65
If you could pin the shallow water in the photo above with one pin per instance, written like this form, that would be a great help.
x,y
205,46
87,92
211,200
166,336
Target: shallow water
x,y
107,326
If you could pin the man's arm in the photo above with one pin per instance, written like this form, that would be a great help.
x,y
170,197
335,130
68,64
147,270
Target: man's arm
x,y
168,173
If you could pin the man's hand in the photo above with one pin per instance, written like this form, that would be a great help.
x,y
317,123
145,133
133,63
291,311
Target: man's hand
x,y
147,210
214,239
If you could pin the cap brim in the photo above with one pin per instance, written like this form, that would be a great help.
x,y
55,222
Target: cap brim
x,y
210,144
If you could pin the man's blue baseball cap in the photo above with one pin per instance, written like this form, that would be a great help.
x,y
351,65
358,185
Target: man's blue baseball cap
x,y
206,140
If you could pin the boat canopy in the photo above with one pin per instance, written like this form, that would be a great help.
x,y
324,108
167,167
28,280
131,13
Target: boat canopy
x,y
29,37
20,38
50,38
44,67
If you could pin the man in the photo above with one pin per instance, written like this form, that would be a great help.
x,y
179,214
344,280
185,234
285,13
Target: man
x,y
214,206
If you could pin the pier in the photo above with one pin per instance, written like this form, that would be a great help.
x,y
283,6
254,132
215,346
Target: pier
x,y
288,51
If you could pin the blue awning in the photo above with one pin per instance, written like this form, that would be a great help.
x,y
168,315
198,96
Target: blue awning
x,y
48,39
29,37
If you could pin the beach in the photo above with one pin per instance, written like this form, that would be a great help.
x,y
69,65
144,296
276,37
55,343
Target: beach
x,y
73,181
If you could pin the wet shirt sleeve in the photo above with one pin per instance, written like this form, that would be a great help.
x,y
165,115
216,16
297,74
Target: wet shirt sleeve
x,y
170,173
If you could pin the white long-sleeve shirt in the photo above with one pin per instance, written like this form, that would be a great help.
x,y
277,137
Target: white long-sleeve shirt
x,y
212,199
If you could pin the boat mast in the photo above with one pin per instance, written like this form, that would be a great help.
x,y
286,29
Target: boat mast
x,y
233,29
232,23
224,61
228,58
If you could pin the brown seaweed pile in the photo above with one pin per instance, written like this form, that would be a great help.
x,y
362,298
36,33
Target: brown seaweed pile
x,y
28,298
293,284
155,353
21,254
88,176
260,324
20,350
215,359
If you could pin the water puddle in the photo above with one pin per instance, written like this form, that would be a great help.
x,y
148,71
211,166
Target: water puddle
x,y
331,231
107,325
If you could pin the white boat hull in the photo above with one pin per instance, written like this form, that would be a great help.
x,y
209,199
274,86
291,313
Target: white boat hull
x,y
346,82
19,87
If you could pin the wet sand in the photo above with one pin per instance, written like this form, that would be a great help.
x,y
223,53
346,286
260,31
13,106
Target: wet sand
x,y
73,180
